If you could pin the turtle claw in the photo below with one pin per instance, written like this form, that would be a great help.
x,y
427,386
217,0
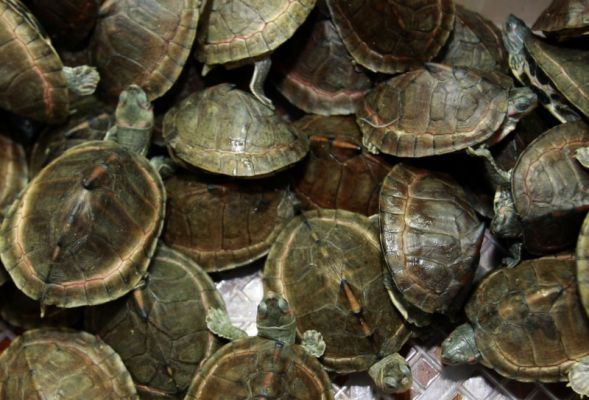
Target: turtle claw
x,y
392,374
82,80
582,156
313,343
219,323
579,377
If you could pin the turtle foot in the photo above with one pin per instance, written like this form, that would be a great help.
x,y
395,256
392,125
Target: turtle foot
x,y
313,343
82,80
392,374
579,377
218,322
582,156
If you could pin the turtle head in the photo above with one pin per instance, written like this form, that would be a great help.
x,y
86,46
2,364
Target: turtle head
x,y
275,319
521,102
391,374
460,347
515,32
134,109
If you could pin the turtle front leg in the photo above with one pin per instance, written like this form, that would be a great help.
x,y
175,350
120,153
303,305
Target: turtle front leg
x,y
261,70
82,80
579,376
218,322
582,156
313,343
392,374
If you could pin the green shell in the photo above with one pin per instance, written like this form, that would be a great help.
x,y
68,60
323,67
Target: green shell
x,y
564,19
528,321
328,252
221,223
63,364
84,229
233,31
255,367
159,330
227,131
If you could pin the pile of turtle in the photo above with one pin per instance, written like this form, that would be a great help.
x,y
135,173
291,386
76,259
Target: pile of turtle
x,y
362,157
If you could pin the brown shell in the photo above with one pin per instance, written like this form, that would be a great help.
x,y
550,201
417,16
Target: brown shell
x,y
63,364
338,172
233,31
13,164
430,235
529,322
255,367
317,74
390,37
143,42
320,252
564,19
433,110
227,131
475,43
159,330
583,264
550,188
222,224
32,83
85,228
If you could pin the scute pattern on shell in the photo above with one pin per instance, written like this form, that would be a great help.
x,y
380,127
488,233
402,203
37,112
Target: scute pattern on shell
x,y
70,245
569,16
430,236
529,323
13,164
67,364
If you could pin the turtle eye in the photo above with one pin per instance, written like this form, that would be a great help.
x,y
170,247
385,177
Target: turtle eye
x,y
283,304
262,309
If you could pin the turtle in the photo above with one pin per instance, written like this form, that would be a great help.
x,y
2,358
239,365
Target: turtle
x,y
316,73
557,74
57,363
564,19
431,238
67,22
475,42
159,329
83,231
13,164
143,42
221,223
235,33
393,36
338,172
439,109
34,82
269,365
336,256
545,196
582,253
249,140
526,323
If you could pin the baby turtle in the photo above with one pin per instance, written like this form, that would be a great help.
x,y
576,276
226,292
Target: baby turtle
x,y
527,323
84,229
583,264
393,36
247,31
439,109
159,330
34,83
328,265
558,74
227,131
431,237
564,19
222,223
63,364
269,366
143,42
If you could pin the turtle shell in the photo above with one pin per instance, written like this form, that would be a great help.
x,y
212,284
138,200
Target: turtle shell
x,y
13,164
317,74
32,83
430,235
528,320
475,43
564,19
339,172
223,224
143,42
550,188
66,364
392,36
255,367
238,31
336,255
68,22
434,110
583,264
250,140
84,229
159,330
